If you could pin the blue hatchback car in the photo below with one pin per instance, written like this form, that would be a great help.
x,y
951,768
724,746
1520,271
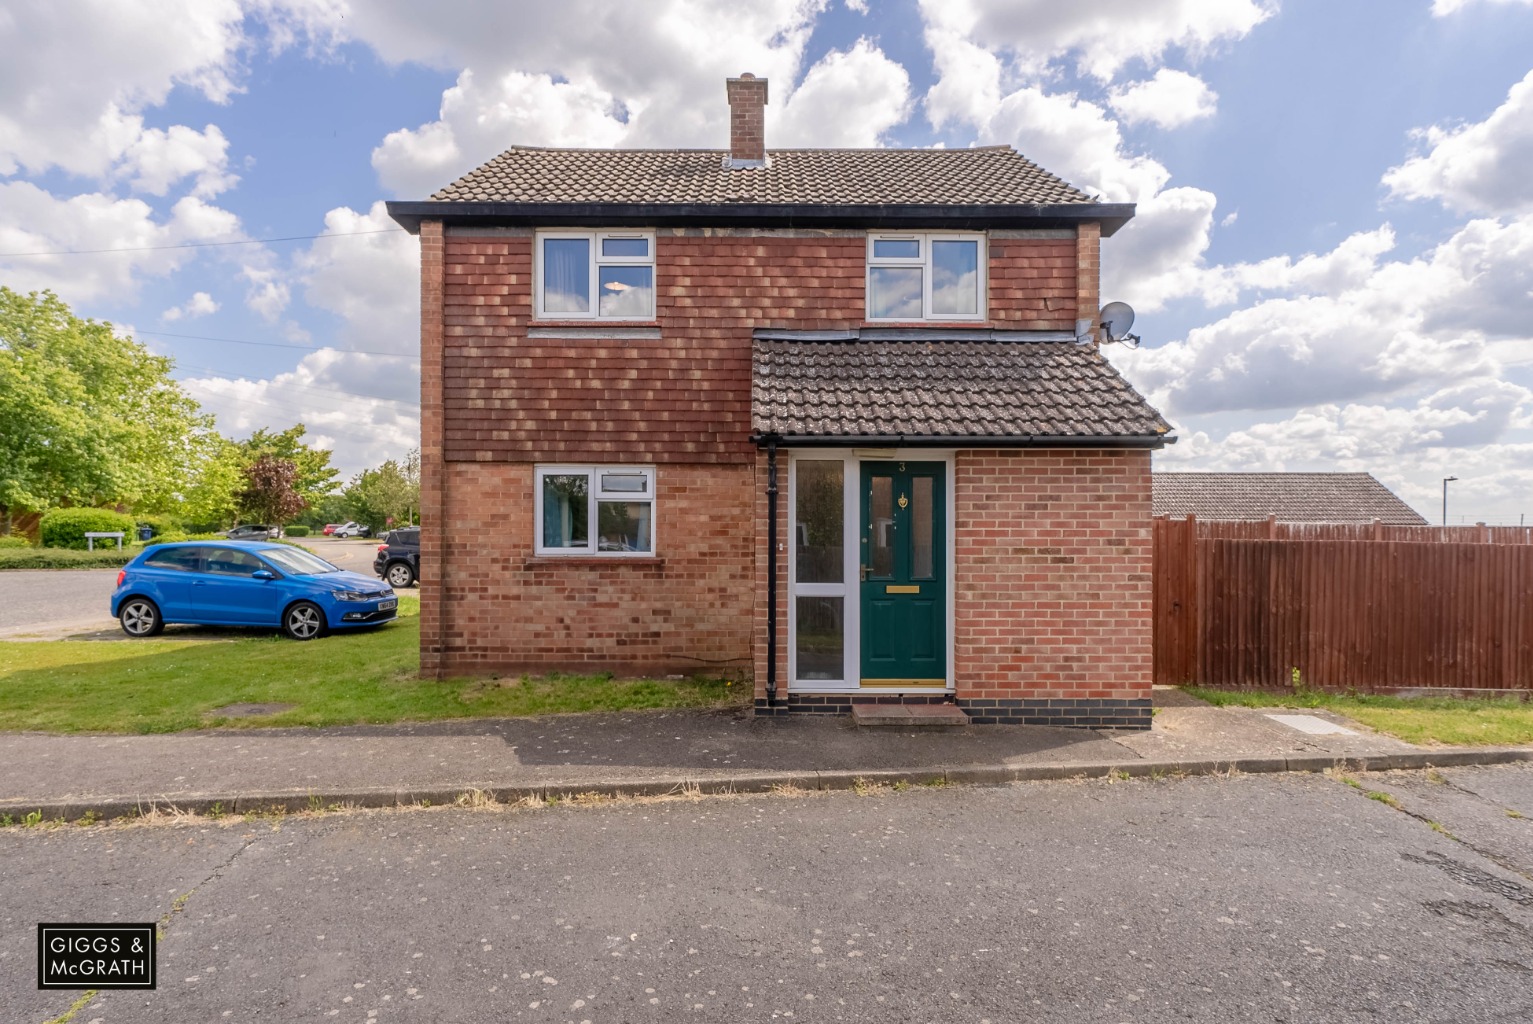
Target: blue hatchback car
x,y
229,583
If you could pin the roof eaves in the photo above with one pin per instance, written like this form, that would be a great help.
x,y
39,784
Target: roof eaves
x,y
1112,216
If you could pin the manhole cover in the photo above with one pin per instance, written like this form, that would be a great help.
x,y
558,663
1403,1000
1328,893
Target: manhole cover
x,y
1313,725
249,710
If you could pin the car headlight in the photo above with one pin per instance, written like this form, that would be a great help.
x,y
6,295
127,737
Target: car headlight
x,y
353,595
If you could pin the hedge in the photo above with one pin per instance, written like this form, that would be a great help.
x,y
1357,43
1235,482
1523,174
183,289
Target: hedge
x,y
67,527
64,558
10,541
296,531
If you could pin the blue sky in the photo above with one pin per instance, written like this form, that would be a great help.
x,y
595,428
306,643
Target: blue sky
x,y
1332,262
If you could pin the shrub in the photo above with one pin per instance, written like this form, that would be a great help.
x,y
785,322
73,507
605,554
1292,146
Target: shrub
x,y
9,541
67,527
296,531
209,526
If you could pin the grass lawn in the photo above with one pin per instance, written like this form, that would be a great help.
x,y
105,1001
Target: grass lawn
x,y
166,685
1422,720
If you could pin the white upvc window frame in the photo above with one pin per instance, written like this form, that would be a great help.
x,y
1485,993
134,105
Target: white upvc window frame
x,y
595,495
593,272
924,262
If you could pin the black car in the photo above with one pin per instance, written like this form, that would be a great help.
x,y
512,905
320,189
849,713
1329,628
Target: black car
x,y
399,557
251,531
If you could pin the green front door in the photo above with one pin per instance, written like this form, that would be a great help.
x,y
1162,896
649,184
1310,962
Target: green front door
x,y
904,574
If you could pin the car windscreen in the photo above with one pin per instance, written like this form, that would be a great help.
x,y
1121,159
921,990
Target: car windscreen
x,y
297,562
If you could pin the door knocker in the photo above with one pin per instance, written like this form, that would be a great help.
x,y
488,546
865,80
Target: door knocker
x,y
904,501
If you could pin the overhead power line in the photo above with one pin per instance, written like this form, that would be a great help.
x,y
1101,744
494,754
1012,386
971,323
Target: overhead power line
x,y
202,245
267,344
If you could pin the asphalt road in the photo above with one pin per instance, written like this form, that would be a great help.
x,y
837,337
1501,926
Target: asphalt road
x,y
52,603
1253,898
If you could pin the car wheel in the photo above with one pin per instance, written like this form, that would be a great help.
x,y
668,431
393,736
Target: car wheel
x,y
400,575
303,621
140,618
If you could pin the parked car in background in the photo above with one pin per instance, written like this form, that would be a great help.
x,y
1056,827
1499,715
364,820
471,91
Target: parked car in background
x,y
399,557
331,528
251,531
352,530
230,583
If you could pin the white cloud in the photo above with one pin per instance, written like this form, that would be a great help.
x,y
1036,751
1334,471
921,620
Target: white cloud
x,y
849,98
1463,430
157,160
1476,167
200,304
1100,37
859,6
363,425
631,74
268,294
371,281
1169,99
1443,8
76,74
1352,327
480,118
35,221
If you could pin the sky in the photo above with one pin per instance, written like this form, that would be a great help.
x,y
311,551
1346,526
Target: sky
x,y
1332,259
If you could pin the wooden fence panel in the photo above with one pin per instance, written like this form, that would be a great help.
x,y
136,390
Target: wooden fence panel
x,y
1366,608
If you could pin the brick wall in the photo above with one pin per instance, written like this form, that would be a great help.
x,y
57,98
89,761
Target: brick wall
x,y
689,609
1053,557
684,396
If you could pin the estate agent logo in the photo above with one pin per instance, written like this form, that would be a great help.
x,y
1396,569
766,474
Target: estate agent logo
x,y
95,956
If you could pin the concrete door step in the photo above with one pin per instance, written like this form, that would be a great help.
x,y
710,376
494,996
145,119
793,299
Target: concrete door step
x,y
908,715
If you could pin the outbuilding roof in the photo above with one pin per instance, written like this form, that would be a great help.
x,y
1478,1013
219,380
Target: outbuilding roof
x,y
918,391
1290,497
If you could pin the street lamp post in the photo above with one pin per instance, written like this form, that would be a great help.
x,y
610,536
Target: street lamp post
x,y
1446,480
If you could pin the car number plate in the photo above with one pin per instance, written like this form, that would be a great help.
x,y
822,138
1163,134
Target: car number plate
x,y
389,605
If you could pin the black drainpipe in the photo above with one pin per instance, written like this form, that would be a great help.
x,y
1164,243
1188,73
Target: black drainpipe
x,y
771,492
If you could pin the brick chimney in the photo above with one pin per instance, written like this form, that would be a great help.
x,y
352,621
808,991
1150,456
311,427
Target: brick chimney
x,y
747,120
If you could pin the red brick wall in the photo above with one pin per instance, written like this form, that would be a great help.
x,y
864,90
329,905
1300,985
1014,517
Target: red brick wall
x,y
689,609
433,507
684,397
1053,561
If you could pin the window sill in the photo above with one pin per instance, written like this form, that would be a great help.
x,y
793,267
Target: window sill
x,y
590,561
970,324
647,322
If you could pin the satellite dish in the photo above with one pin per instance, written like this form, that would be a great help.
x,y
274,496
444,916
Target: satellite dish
x,y
1117,318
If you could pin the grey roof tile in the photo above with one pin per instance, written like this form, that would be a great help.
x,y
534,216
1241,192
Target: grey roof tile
x,y
923,388
1291,497
984,176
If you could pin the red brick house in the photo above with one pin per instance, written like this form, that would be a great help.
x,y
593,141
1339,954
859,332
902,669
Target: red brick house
x,y
833,420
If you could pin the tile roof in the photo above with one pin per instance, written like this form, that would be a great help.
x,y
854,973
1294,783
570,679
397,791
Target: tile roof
x,y
993,175
923,388
1291,497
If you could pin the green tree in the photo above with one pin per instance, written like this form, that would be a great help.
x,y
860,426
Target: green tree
x,y
86,417
270,495
211,499
388,491
314,478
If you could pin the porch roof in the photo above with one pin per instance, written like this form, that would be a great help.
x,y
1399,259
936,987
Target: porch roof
x,y
922,390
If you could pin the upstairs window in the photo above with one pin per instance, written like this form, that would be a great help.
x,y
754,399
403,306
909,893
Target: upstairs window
x,y
595,510
923,276
595,275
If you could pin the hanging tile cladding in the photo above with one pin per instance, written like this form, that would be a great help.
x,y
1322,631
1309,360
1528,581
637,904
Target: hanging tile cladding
x,y
685,397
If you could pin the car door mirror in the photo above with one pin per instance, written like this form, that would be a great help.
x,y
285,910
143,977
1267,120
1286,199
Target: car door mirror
x,y
263,574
